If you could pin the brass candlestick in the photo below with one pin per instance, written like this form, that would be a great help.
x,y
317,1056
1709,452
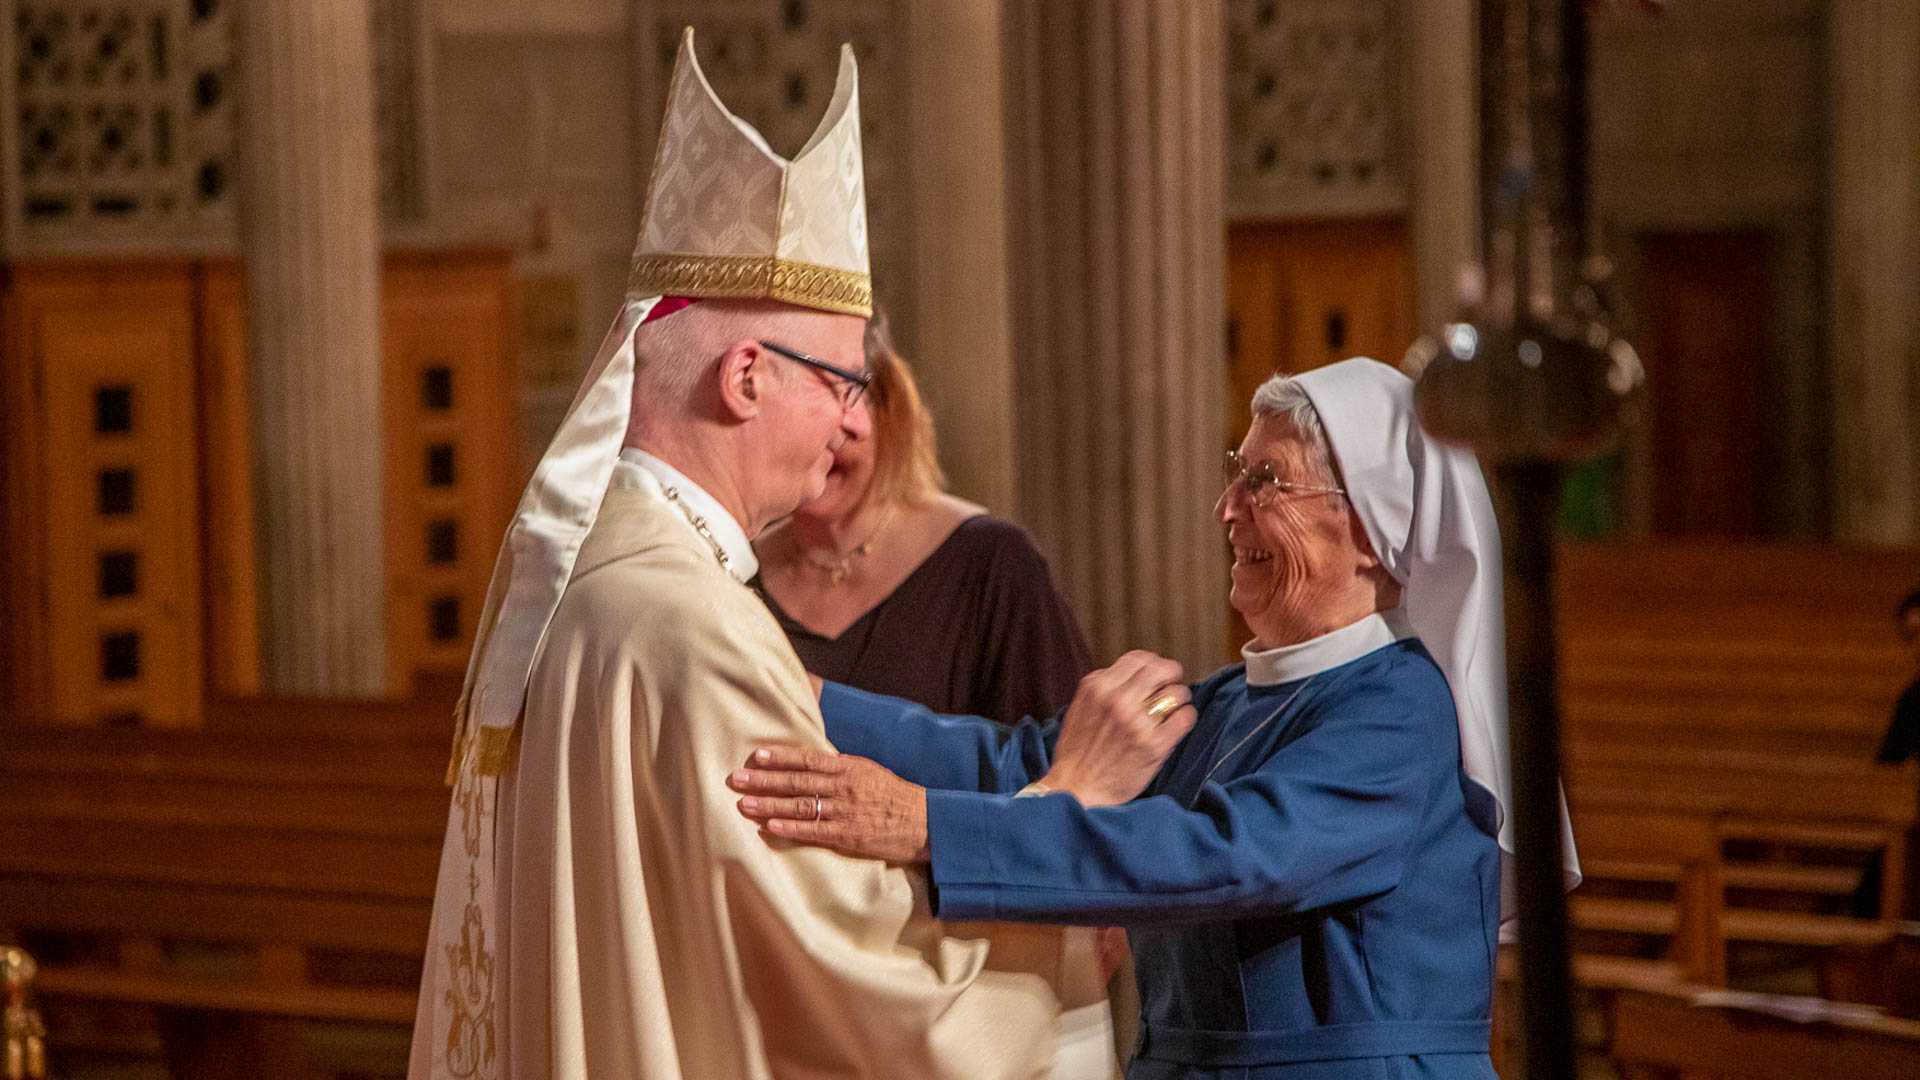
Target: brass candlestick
x,y
26,1034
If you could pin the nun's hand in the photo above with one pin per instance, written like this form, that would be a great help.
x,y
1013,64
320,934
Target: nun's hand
x,y
1123,723
837,801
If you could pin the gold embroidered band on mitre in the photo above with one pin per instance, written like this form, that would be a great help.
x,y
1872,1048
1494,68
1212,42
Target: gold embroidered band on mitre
x,y
753,277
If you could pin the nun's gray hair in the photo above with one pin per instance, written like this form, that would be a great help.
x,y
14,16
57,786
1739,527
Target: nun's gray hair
x,y
1281,398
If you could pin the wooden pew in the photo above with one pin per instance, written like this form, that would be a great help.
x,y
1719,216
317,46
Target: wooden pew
x,y
287,875
1677,850
1840,817
1886,975
1748,685
1661,1036
1744,922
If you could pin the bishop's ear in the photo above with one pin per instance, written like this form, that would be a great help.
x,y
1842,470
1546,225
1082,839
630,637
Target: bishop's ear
x,y
745,372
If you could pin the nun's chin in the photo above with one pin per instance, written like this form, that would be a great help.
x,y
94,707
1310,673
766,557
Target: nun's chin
x,y
1250,591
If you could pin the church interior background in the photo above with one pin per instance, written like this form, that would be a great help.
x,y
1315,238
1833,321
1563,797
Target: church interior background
x,y
293,294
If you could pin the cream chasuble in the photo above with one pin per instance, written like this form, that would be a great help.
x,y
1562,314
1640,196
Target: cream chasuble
x,y
644,929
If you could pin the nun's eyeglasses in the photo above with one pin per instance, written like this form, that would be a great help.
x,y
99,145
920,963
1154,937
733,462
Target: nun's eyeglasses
x,y
853,383
1262,486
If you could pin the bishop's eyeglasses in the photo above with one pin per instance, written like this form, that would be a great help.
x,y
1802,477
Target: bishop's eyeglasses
x,y
1262,486
853,383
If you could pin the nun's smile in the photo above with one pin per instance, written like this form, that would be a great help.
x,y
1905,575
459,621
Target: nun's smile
x,y
1294,550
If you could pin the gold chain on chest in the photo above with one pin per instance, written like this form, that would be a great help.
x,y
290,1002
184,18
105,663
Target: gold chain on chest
x,y
700,526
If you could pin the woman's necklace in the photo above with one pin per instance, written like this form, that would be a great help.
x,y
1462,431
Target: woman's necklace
x,y
838,566
1257,728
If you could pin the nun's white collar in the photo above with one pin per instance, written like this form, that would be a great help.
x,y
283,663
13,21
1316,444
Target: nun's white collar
x,y
1285,663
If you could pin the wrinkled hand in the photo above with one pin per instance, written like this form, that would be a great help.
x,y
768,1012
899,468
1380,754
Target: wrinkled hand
x,y
862,809
1109,747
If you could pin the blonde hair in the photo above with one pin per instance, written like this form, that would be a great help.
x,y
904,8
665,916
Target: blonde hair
x,y
906,461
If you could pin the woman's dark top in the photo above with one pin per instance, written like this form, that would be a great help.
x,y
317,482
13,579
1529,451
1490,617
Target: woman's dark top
x,y
977,629
1903,734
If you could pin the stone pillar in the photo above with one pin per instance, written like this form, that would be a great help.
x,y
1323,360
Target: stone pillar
x,y
310,249
957,156
1873,109
1116,265
1445,144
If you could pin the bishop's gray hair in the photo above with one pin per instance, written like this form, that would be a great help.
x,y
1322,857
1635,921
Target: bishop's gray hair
x,y
671,355
1281,398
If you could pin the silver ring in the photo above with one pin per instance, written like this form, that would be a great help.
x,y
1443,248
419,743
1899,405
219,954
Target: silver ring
x,y
816,808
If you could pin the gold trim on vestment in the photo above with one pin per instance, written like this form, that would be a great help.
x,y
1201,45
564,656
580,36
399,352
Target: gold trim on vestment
x,y
471,1041
495,743
753,277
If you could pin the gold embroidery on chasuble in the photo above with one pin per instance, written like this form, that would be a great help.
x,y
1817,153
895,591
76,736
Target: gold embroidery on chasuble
x,y
470,1039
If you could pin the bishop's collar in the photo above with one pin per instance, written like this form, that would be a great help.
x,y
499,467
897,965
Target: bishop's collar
x,y
726,533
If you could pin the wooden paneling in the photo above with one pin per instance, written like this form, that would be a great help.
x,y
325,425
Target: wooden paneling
x,y
106,511
1706,341
233,625
452,425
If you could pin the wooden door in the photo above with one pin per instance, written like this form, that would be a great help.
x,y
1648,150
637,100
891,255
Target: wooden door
x,y
1304,294
1705,304
104,494
452,429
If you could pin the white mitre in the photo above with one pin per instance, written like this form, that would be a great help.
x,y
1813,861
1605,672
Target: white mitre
x,y
725,217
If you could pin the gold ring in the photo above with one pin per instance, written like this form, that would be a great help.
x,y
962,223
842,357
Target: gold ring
x,y
816,808
1162,705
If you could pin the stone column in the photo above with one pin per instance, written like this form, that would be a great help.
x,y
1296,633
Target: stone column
x,y
1445,145
1116,265
957,157
310,249
1873,109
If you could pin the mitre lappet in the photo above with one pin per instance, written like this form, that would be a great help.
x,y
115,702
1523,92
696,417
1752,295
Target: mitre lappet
x,y
725,217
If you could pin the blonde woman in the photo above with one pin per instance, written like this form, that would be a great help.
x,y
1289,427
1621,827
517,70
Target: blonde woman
x,y
889,584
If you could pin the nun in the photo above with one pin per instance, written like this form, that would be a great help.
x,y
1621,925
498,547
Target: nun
x,y
1311,875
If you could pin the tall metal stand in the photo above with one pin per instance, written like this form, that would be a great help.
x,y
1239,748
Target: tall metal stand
x,y
1531,376
1531,494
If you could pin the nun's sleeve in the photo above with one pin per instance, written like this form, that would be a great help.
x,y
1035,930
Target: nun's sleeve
x,y
1325,820
960,753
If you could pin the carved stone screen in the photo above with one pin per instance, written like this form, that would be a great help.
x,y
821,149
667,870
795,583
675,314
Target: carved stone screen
x,y
118,134
1316,109
120,124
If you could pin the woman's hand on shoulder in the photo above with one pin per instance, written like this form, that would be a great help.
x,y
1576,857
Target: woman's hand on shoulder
x,y
838,801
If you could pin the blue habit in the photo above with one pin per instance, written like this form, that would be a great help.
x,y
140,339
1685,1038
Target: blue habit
x,y
1310,885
